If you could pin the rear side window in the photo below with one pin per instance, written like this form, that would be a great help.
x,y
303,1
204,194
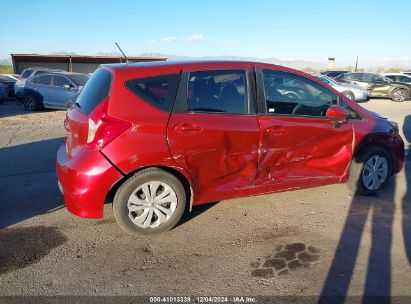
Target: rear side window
x,y
159,91
96,90
218,92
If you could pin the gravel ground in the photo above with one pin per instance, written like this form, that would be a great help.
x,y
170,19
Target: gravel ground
x,y
335,243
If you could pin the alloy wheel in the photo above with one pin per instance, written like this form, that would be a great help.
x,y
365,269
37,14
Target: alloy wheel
x,y
375,172
399,95
29,103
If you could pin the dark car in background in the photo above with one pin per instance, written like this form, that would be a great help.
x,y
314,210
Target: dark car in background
x,y
377,85
333,74
57,90
398,77
8,82
3,92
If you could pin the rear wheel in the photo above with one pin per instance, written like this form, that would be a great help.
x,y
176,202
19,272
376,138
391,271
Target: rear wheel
x,y
370,170
150,202
399,95
30,103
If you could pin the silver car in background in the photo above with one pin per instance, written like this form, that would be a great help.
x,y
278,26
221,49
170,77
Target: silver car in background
x,y
351,91
58,90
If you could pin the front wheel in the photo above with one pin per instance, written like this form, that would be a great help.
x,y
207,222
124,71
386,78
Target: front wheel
x,y
150,202
399,95
370,170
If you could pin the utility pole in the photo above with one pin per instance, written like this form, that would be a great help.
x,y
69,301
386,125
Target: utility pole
x,y
356,65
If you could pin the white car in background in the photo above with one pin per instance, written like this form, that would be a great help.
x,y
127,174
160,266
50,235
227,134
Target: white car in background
x,y
353,92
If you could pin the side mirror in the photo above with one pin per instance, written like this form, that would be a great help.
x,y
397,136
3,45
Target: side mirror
x,y
337,114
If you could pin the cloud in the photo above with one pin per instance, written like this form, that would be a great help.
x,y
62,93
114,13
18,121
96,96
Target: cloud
x,y
195,38
153,40
169,39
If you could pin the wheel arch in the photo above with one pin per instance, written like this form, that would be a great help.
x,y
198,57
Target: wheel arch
x,y
182,177
379,144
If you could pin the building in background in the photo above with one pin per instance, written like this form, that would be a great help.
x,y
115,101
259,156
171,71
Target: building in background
x,y
70,63
330,63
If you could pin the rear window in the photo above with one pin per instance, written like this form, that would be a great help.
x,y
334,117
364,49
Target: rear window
x,y
96,90
159,91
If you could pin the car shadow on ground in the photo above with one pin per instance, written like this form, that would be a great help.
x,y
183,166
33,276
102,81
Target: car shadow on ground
x,y
28,183
378,276
196,211
10,108
406,201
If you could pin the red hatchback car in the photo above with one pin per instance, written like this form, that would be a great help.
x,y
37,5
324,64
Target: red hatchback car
x,y
162,137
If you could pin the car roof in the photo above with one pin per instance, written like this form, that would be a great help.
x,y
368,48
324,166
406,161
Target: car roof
x,y
63,73
182,63
396,74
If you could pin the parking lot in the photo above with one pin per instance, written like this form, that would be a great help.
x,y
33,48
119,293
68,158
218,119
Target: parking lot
x,y
349,243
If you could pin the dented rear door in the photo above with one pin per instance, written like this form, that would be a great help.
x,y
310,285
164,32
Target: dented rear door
x,y
213,132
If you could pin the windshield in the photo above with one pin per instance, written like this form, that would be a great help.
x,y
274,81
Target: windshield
x,y
26,73
79,79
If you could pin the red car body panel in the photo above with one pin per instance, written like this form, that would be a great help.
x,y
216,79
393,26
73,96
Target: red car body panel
x,y
221,156
85,181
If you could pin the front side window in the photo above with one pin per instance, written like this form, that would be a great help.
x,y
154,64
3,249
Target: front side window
x,y
290,94
44,80
391,77
376,78
61,81
218,92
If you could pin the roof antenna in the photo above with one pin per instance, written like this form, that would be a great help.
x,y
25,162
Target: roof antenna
x,y
122,52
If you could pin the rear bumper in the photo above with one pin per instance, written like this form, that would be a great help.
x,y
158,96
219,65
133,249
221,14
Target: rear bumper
x,y
85,181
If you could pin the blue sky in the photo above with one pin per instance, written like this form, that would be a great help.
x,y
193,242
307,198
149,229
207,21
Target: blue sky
x,y
377,31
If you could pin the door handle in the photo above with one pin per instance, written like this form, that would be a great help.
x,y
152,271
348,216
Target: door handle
x,y
276,131
188,127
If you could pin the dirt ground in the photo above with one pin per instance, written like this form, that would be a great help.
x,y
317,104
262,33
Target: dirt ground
x,y
337,243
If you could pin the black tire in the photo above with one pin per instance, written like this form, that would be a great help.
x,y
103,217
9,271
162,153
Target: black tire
x,y
32,103
121,211
357,168
349,95
399,95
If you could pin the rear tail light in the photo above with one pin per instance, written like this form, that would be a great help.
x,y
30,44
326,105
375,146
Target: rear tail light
x,y
103,129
